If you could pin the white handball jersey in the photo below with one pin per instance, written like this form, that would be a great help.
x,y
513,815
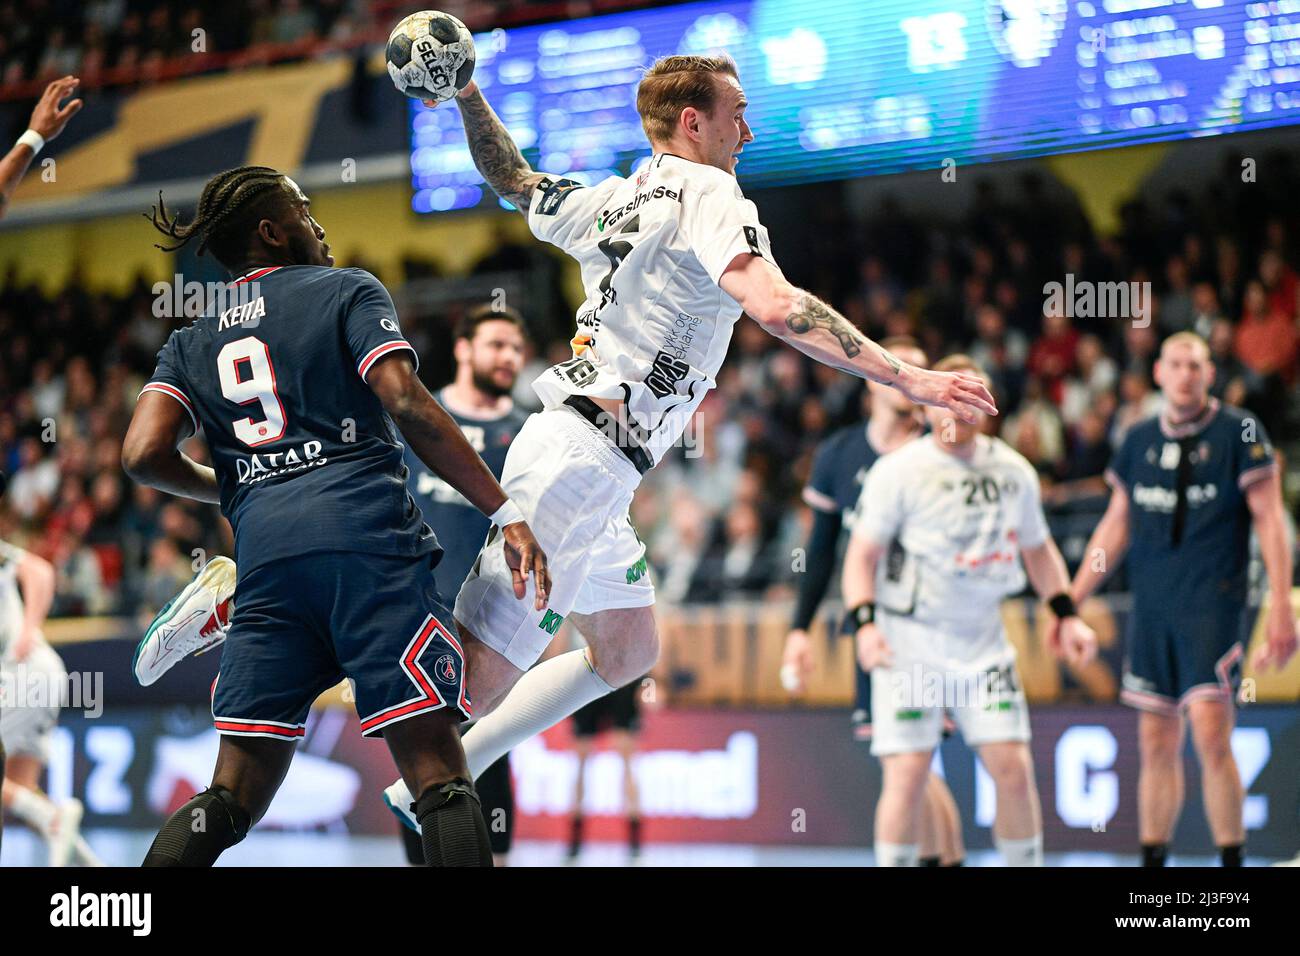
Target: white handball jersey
x,y
655,326
960,524
11,602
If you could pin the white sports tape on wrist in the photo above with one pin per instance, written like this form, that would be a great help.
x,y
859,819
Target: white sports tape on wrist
x,y
508,513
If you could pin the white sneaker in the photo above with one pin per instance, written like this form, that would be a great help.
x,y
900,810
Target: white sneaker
x,y
192,622
65,832
398,799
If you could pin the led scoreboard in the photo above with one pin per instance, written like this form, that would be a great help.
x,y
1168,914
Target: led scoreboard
x,y
845,88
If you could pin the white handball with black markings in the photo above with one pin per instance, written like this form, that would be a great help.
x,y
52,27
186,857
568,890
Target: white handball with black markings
x,y
430,56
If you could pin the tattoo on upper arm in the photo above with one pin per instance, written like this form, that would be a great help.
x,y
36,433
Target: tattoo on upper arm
x,y
815,314
496,155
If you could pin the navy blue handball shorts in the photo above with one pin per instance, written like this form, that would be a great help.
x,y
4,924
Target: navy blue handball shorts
x,y
302,624
1177,655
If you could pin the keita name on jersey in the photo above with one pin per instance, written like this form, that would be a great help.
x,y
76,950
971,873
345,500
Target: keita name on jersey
x,y
258,467
248,315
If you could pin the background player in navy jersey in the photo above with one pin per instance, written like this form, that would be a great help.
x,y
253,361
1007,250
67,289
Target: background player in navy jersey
x,y
834,487
489,353
294,391
1186,488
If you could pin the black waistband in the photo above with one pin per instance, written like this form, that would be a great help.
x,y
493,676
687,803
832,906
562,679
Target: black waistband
x,y
624,440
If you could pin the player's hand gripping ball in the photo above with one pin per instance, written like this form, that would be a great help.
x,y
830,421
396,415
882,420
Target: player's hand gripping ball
x,y
430,56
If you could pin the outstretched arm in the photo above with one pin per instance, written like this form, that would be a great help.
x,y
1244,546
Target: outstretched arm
x,y
494,151
814,328
47,121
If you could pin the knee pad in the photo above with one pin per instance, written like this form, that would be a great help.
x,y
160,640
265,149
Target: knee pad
x,y
452,825
197,833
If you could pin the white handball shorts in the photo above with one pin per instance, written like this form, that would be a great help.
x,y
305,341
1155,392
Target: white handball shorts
x,y
970,672
574,487
32,692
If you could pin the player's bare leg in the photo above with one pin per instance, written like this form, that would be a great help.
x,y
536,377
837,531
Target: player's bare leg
x,y
429,757
249,771
944,823
1018,827
625,744
1160,782
582,750
1221,789
898,811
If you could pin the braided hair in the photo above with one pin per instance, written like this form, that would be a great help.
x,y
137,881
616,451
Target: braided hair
x,y
231,205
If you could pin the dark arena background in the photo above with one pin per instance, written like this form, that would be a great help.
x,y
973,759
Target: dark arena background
x,y
1052,187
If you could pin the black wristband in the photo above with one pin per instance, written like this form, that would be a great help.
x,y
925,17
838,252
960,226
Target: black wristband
x,y
863,614
1062,605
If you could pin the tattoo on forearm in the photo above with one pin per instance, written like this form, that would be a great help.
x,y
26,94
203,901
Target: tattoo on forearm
x,y
893,363
815,314
495,153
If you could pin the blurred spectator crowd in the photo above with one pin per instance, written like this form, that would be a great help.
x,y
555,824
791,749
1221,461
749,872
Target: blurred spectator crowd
x,y
128,41
722,517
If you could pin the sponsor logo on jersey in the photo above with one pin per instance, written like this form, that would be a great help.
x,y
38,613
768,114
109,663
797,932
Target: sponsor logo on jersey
x,y
551,622
608,217
259,467
248,315
1159,498
554,192
665,373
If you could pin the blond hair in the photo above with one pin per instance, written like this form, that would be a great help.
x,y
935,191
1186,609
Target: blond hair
x,y
672,84
1185,338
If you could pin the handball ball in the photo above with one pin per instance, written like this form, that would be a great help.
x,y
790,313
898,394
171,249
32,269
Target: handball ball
x,y
430,56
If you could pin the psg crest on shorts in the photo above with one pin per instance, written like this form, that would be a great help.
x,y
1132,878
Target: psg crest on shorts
x,y
446,668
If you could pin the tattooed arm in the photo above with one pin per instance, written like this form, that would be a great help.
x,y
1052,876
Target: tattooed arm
x,y
495,153
814,328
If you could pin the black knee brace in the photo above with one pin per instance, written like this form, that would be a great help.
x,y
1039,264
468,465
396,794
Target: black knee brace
x,y
198,833
452,824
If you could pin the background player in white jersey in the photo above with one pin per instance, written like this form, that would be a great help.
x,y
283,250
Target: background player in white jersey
x,y
965,509
833,493
670,258
33,681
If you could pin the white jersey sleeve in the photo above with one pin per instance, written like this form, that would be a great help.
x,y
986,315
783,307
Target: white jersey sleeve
x,y
11,602
719,223
880,504
563,212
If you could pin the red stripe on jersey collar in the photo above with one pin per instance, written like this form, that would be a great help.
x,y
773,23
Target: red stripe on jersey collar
x,y
1176,430
256,274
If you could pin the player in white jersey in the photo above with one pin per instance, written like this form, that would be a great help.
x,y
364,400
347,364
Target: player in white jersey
x,y
32,684
670,259
965,510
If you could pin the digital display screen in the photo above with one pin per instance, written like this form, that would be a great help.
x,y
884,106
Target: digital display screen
x,y
845,88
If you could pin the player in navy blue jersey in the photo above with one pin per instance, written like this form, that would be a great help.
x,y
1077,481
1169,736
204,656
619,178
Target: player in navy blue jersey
x,y
1187,487
839,468
297,388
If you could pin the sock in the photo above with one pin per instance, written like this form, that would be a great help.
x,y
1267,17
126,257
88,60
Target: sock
x,y
34,809
928,861
960,861
1025,852
897,854
182,842
544,696
1153,854
85,854
413,844
1231,855
452,824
